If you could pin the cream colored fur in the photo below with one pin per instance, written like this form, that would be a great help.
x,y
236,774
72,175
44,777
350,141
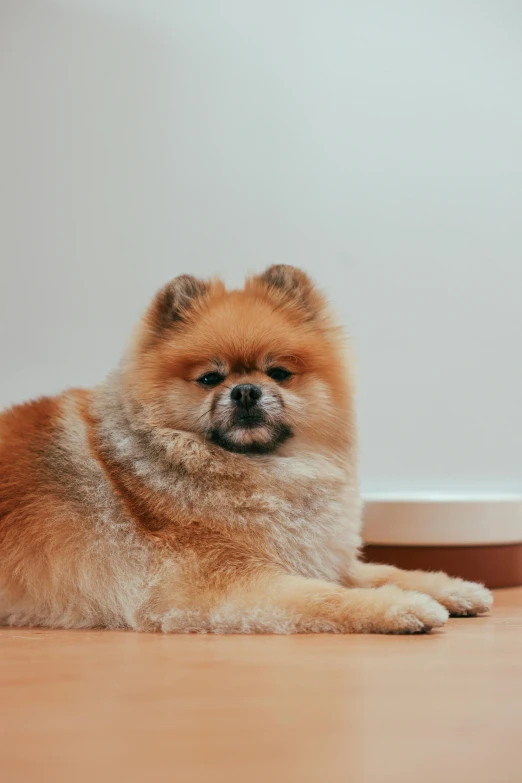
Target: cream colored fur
x,y
113,516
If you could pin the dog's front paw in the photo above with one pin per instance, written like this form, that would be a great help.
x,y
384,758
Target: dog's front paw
x,y
414,613
465,599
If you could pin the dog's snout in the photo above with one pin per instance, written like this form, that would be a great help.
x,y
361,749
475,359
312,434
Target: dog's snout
x,y
246,395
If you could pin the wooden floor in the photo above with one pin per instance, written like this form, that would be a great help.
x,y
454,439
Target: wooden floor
x,y
117,706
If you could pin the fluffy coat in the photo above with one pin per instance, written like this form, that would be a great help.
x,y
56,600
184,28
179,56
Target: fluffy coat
x,y
150,503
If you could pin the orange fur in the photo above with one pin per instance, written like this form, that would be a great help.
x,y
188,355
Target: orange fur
x,y
148,502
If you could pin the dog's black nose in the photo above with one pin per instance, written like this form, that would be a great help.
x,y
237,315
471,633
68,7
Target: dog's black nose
x,y
246,395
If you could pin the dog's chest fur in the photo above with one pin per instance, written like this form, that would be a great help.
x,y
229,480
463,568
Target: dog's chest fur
x,y
302,512
315,523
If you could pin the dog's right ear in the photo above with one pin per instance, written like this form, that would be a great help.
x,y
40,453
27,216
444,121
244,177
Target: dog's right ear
x,y
175,301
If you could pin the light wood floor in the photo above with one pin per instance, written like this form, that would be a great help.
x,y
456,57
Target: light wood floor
x,y
117,706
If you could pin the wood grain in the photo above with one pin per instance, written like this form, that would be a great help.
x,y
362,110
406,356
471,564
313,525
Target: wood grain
x,y
98,705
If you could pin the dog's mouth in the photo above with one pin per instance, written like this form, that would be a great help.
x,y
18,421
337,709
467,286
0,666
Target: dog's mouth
x,y
253,429
251,434
249,420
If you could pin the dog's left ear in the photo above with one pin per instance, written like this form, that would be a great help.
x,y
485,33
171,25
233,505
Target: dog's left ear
x,y
290,286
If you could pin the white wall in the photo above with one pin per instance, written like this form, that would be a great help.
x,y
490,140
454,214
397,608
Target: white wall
x,y
376,144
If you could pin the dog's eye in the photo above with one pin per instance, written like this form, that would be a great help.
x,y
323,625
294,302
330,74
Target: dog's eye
x,y
279,374
211,379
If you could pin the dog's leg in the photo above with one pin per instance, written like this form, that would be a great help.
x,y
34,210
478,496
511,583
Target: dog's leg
x,y
459,597
276,603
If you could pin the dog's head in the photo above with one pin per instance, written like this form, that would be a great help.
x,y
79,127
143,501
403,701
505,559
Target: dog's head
x,y
248,369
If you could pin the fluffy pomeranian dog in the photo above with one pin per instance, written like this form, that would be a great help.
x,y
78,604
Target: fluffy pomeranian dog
x,y
210,484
